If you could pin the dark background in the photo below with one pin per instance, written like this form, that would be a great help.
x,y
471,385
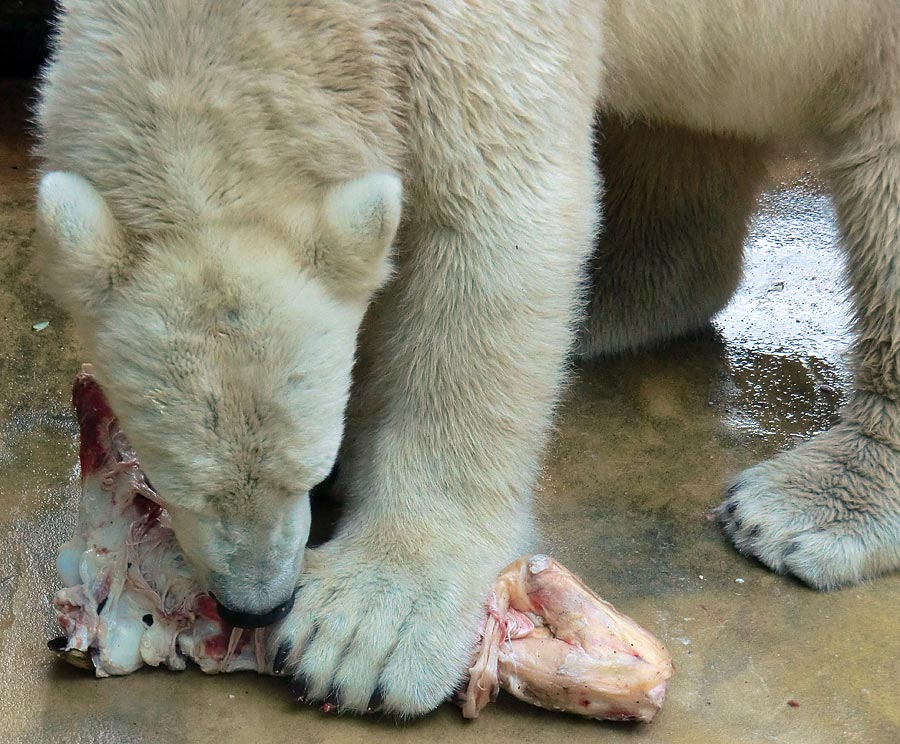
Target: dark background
x,y
24,30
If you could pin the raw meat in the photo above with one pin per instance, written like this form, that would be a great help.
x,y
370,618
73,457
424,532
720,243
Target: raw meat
x,y
130,599
552,642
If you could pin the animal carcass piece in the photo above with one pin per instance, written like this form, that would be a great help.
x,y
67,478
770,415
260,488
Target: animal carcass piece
x,y
131,599
552,642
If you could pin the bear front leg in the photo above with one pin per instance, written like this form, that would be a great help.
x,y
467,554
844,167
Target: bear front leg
x,y
460,366
829,511
462,374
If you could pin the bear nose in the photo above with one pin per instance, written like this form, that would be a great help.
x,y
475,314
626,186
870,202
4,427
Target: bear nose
x,y
253,619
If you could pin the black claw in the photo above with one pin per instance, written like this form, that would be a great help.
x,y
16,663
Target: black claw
x,y
376,701
792,548
754,533
732,507
280,661
732,491
299,688
738,523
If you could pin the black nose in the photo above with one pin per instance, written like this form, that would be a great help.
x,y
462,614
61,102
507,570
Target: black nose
x,y
254,620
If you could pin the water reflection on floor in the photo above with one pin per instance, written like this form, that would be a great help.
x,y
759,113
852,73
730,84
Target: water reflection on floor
x,y
786,331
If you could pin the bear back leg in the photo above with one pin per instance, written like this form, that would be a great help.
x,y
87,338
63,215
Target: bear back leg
x,y
828,511
675,213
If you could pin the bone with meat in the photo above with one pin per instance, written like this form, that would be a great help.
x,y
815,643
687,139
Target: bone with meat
x,y
131,599
552,642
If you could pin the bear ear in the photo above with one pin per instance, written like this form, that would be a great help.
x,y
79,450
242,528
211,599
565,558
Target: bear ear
x,y
83,249
361,219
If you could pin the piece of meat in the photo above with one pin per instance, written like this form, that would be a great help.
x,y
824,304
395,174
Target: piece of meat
x,y
552,642
130,599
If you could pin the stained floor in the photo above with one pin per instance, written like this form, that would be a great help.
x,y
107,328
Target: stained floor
x,y
644,446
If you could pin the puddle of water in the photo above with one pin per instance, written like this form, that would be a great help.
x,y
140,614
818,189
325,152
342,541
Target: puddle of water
x,y
787,329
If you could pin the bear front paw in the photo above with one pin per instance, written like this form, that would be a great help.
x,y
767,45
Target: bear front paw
x,y
368,633
827,512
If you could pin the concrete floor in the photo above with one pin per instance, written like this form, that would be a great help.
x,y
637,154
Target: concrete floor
x,y
644,447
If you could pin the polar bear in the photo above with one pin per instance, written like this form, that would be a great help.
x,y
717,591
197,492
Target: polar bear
x,y
286,228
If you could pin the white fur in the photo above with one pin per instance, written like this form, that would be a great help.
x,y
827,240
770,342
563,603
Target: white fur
x,y
728,66
361,218
251,154
76,215
85,245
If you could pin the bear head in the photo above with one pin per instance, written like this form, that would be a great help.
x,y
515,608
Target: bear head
x,y
226,351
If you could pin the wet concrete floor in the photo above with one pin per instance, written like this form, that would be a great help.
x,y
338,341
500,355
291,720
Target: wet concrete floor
x,y
644,446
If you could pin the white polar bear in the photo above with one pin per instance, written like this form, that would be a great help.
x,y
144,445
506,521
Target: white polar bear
x,y
222,197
